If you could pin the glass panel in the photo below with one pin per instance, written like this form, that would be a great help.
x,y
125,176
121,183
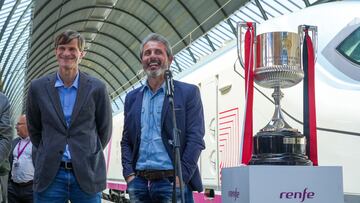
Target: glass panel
x,y
350,47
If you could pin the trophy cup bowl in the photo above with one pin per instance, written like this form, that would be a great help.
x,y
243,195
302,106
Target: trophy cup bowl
x,y
278,60
278,65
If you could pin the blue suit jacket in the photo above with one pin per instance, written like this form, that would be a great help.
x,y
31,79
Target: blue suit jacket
x,y
190,122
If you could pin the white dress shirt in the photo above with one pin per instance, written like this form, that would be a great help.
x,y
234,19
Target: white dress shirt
x,y
22,167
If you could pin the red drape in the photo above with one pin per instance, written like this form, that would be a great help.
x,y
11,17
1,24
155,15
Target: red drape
x,y
309,98
249,95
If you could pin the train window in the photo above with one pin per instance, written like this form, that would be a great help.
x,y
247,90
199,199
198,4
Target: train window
x,y
350,47
343,53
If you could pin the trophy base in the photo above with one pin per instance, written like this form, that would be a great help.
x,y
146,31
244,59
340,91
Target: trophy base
x,y
280,159
280,148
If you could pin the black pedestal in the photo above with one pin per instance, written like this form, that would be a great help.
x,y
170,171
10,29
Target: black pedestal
x,y
280,148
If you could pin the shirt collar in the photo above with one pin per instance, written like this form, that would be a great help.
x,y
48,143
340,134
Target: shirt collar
x,y
26,138
60,83
147,87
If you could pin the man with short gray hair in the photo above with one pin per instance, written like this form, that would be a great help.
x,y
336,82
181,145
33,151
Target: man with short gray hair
x,y
22,168
146,149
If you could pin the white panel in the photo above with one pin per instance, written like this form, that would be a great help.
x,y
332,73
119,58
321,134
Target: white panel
x,y
231,105
113,160
287,184
209,157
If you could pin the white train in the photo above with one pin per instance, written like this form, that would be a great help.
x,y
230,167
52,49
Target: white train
x,y
222,90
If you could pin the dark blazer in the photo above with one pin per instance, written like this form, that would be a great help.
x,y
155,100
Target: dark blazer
x,y
189,120
88,134
6,133
11,156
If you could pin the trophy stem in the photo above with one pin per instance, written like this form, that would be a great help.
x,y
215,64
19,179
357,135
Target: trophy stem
x,y
277,123
277,143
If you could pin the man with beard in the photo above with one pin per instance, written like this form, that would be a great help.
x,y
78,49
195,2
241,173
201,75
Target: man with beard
x,y
147,153
70,123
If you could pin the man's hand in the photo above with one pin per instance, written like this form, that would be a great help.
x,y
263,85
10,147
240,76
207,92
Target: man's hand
x,y
177,181
129,178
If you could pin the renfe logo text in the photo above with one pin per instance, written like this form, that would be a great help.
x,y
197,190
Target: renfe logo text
x,y
234,194
297,195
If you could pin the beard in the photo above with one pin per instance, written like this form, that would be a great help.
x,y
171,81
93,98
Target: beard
x,y
156,73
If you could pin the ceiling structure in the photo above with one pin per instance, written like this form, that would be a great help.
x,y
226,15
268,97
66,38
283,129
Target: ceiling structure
x,y
15,27
113,30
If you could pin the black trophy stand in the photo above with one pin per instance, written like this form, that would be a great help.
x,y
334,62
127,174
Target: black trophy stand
x,y
176,140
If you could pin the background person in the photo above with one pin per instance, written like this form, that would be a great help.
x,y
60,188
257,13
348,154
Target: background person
x,y
6,133
22,167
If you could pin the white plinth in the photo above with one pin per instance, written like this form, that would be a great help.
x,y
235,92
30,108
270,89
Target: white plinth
x,y
282,184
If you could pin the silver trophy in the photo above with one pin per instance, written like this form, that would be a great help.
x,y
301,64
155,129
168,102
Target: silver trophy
x,y
278,65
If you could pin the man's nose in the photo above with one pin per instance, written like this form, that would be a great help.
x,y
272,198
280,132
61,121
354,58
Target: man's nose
x,y
66,52
153,55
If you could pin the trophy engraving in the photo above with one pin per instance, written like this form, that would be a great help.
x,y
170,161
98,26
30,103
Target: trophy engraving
x,y
278,65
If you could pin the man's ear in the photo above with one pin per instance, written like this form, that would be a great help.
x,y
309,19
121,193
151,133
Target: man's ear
x,y
82,54
171,59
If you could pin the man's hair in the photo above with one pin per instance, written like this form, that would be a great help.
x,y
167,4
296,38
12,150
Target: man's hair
x,y
158,38
68,35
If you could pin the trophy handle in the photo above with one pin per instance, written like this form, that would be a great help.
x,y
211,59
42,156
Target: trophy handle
x,y
240,26
314,36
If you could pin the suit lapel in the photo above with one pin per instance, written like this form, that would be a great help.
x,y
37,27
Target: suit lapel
x,y
138,103
164,110
81,97
166,106
54,97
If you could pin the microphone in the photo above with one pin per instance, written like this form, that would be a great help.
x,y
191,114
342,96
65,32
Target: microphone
x,y
169,84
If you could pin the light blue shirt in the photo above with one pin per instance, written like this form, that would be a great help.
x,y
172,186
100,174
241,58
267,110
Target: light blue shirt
x,y
67,98
152,152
